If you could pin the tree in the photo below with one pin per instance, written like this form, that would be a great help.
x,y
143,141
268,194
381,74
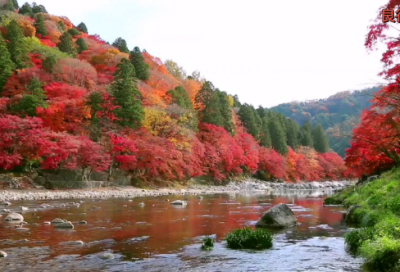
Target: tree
x,y
142,69
61,26
10,5
66,44
38,8
83,27
175,70
249,121
292,133
40,26
306,135
180,97
208,105
319,139
226,112
74,32
278,140
127,96
82,46
31,101
17,47
265,137
26,10
121,45
261,111
6,64
49,63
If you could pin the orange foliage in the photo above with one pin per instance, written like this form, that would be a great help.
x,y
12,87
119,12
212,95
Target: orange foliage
x,y
192,87
28,29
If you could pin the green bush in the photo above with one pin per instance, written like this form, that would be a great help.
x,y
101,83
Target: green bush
x,y
393,204
74,32
382,254
356,238
247,238
208,243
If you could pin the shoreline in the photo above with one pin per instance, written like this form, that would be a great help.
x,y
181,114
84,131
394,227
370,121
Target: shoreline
x,y
249,186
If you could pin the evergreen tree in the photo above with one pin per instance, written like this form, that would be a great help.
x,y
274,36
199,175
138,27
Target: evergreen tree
x,y
61,26
94,102
292,132
9,5
49,63
82,27
236,101
278,141
74,32
26,10
82,46
320,141
34,99
40,26
127,96
15,3
226,112
141,68
17,47
66,44
38,8
265,137
6,64
180,97
248,118
306,135
261,111
208,103
121,45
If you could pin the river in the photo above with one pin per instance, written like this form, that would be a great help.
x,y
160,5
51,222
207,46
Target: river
x,y
163,237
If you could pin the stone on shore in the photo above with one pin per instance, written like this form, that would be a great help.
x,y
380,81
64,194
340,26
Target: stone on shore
x,y
24,209
14,217
279,216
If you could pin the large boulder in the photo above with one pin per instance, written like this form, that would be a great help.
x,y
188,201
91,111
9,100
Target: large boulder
x,y
14,217
279,216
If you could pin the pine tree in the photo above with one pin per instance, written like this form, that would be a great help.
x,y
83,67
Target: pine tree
x,y
226,112
6,64
40,26
141,68
127,96
94,102
121,45
66,44
49,63
38,8
292,132
83,27
17,48
208,103
26,10
261,111
61,26
248,118
265,137
34,99
180,97
277,137
82,46
306,135
320,141
74,32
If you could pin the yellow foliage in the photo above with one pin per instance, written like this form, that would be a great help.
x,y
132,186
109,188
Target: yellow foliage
x,y
156,121
231,101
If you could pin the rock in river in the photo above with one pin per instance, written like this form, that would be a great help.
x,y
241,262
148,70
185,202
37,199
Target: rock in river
x,y
279,216
3,254
66,225
179,202
14,217
107,256
57,221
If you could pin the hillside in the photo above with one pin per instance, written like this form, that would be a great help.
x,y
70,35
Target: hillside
x,y
339,114
72,101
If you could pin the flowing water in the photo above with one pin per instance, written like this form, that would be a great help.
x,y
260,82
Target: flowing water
x,y
164,237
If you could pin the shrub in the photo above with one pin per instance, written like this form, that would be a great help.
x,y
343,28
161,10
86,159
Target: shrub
x,y
382,254
208,243
74,32
247,238
356,238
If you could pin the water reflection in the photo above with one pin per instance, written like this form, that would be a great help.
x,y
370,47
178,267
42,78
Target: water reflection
x,y
165,237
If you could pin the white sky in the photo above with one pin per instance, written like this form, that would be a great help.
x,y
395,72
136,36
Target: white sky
x,y
266,51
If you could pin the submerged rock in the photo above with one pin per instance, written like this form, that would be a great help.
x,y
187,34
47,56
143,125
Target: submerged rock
x,y
73,243
107,256
66,225
279,216
14,217
57,221
83,222
179,202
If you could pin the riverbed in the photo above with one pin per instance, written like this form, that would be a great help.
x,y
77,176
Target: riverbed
x,y
122,234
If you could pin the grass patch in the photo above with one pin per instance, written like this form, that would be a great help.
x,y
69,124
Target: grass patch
x,y
247,238
378,211
208,243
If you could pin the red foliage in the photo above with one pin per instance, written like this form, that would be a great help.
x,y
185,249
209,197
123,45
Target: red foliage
x,y
60,91
92,156
272,162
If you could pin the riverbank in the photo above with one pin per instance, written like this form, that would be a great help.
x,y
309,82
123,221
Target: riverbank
x,y
375,208
195,189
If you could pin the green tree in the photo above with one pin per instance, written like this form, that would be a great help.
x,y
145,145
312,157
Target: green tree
x,y
306,135
292,132
127,96
278,140
17,47
6,64
9,5
249,120
49,63
180,97
175,70
26,10
94,102
82,46
83,27
320,141
261,111
208,103
265,137
66,44
141,67
226,112
34,99
40,26
61,26
74,32
38,8
121,45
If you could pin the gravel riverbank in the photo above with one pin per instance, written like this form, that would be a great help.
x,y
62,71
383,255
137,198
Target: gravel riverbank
x,y
131,192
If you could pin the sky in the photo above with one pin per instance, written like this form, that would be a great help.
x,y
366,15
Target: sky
x,y
266,51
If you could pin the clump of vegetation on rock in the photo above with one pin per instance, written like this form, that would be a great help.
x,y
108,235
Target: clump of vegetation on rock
x,y
208,243
247,238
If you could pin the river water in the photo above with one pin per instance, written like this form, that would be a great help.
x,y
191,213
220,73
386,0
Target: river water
x,y
163,237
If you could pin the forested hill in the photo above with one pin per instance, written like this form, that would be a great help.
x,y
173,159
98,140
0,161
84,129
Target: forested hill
x,y
71,101
338,114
